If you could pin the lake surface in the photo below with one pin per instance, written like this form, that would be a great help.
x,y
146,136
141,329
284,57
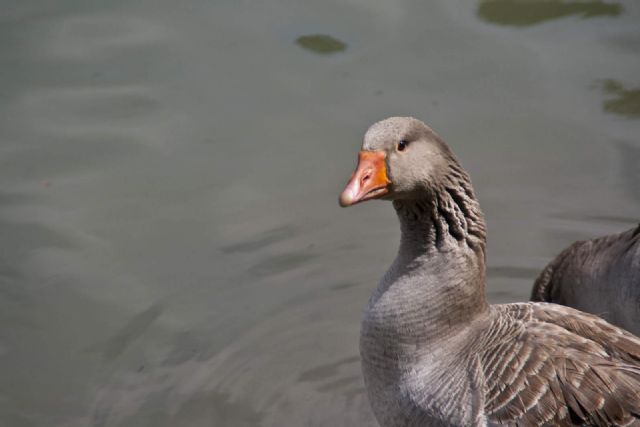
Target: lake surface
x,y
172,252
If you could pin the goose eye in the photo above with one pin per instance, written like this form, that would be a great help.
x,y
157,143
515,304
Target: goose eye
x,y
402,145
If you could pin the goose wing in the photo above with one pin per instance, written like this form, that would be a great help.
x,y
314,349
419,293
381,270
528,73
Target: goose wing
x,y
582,265
552,365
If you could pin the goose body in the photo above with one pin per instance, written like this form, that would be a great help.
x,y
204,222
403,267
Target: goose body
x,y
599,276
434,352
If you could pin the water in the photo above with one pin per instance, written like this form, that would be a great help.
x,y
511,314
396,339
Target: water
x,y
172,250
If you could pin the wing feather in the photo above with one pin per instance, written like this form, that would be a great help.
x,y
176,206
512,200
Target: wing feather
x,y
553,365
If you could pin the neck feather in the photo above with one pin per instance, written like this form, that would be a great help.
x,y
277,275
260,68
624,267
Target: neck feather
x,y
436,285
447,217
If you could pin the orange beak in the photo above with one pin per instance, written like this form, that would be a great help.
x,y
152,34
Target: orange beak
x,y
369,181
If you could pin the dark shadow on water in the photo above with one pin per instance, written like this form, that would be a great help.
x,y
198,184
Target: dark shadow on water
x,y
260,241
279,264
322,44
129,333
626,101
329,370
524,13
339,384
342,285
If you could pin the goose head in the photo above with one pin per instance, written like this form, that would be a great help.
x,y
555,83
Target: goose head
x,y
401,158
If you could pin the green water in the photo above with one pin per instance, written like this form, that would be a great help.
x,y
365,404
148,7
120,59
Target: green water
x,y
172,252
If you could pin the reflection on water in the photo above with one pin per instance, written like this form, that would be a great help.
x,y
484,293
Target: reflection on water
x,y
522,13
321,43
626,101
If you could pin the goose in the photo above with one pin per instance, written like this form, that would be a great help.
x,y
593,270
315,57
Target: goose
x,y
433,351
599,276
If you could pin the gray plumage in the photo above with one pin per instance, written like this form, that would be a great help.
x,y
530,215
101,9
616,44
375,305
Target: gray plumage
x,y
435,353
599,276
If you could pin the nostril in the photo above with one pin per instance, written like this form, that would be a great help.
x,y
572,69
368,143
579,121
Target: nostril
x,y
365,177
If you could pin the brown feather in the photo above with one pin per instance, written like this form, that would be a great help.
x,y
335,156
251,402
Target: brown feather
x,y
570,367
